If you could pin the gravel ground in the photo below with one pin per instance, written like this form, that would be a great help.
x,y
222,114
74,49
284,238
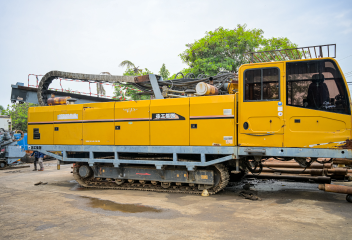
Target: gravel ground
x,y
61,209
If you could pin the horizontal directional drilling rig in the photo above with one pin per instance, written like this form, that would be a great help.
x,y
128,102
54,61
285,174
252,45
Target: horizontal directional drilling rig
x,y
195,131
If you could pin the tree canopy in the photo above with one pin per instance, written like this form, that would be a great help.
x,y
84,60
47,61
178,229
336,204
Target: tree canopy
x,y
130,66
164,73
219,50
19,115
222,49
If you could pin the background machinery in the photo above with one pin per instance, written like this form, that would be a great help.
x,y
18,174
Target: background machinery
x,y
10,150
197,132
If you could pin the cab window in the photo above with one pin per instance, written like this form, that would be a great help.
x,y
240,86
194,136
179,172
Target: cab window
x,y
316,85
261,84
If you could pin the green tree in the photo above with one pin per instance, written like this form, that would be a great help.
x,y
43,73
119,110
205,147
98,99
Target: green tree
x,y
164,73
19,115
1,109
223,49
131,66
128,91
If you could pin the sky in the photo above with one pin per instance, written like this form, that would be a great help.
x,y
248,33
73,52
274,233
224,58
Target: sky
x,y
96,36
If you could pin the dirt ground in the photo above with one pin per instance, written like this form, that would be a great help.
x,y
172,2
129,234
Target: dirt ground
x,y
62,209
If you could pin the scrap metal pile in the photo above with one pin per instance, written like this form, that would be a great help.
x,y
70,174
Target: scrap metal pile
x,y
321,170
10,152
189,85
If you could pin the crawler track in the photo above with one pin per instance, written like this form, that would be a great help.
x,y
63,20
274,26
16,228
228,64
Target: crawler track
x,y
95,183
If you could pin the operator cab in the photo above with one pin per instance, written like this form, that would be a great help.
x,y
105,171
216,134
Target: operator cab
x,y
295,103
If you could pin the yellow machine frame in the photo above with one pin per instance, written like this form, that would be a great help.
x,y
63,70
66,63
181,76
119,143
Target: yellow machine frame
x,y
195,121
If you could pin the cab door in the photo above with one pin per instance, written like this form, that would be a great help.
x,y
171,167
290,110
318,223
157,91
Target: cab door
x,y
318,113
261,115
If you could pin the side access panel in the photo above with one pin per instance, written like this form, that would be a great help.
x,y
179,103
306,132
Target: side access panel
x,y
169,124
213,121
41,126
132,123
68,124
98,123
316,129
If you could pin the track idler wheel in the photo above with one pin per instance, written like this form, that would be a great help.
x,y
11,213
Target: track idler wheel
x,y
165,184
119,181
222,177
85,171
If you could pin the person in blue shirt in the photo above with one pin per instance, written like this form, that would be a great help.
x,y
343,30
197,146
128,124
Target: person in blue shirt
x,y
38,157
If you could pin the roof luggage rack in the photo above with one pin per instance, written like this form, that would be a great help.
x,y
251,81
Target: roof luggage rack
x,y
310,52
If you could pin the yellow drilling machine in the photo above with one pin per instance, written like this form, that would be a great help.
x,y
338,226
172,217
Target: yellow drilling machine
x,y
195,133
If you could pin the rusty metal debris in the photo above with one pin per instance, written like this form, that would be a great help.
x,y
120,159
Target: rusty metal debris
x,y
40,183
148,84
246,186
251,195
342,161
348,144
335,188
293,164
321,171
318,172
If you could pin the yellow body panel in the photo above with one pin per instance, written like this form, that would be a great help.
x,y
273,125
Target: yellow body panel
x,y
169,131
316,129
232,88
68,124
132,122
41,119
98,123
215,120
265,123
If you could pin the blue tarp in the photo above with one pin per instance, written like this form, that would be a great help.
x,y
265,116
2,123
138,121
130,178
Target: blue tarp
x,y
23,143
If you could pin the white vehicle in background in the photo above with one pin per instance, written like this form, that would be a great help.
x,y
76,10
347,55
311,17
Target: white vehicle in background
x,y
5,122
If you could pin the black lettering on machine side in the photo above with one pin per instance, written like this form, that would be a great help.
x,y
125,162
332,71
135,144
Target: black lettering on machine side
x,y
167,116
36,147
